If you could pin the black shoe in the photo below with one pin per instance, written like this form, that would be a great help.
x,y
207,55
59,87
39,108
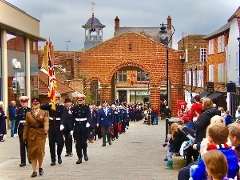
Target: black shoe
x,y
53,163
110,143
165,159
79,161
103,145
86,157
68,155
34,174
116,137
41,171
113,139
29,161
59,160
22,164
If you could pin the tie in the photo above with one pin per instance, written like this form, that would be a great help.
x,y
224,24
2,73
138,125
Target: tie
x,y
105,110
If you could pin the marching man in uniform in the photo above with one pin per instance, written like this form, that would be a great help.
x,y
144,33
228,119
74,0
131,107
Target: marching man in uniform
x,y
56,125
106,119
81,113
19,125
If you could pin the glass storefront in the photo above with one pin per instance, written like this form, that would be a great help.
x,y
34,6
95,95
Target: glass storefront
x,y
139,96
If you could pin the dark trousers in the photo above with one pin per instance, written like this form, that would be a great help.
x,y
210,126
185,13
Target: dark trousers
x,y
23,147
115,127
81,143
190,152
106,130
123,126
68,142
98,132
184,173
91,133
55,137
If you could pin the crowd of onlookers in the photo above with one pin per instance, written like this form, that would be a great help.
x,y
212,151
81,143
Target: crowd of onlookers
x,y
209,139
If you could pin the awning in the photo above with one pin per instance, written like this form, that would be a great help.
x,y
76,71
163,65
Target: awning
x,y
204,94
214,95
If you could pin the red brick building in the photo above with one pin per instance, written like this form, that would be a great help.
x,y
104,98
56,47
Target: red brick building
x,y
195,55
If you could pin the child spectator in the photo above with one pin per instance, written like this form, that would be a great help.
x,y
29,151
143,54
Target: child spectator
x,y
175,141
217,135
216,164
174,144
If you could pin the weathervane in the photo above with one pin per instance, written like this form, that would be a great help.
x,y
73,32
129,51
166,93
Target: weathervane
x,y
93,3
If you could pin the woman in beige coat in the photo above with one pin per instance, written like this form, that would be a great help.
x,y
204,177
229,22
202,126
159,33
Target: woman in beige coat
x,y
35,133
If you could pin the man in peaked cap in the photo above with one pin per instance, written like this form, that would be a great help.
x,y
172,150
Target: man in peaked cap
x,y
81,114
19,126
56,125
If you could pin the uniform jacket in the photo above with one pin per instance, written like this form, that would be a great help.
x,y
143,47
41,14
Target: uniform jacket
x,y
12,112
68,126
3,118
123,114
21,116
93,117
59,113
203,121
81,111
232,161
36,125
105,119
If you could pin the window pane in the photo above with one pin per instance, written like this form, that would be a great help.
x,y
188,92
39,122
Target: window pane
x,y
138,76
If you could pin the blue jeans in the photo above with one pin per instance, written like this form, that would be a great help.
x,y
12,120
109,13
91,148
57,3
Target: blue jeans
x,y
12,127
156,120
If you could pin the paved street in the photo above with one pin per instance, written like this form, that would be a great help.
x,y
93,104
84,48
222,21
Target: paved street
x,y
137,154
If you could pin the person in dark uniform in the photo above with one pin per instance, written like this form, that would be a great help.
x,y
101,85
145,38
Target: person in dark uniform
x,y
106,119
81,114
93,122
116,121
19,126
56,125
68,127
123,117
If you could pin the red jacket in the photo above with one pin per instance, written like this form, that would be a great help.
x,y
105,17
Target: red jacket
x,y
196,109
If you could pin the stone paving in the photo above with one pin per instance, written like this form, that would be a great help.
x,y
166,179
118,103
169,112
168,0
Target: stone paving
x,y
137,154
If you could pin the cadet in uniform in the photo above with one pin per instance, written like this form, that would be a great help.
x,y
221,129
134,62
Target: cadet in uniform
x,y
81,113
19,125
68,127
56,125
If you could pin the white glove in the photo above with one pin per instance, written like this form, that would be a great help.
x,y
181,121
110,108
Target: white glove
x,y
71,132
61,127
87,125
15,135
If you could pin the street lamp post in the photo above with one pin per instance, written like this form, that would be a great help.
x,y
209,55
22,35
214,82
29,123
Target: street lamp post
x,y
182,59
165,38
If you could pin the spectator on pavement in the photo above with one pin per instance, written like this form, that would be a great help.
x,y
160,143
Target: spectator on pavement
x,y
3,118
12,116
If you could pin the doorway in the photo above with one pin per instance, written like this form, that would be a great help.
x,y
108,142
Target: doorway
x,y
122,95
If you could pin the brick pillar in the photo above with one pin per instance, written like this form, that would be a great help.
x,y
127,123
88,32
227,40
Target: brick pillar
x,y
155,96
105,93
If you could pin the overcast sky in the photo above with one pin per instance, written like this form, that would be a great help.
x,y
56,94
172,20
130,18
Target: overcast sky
x,y
61,20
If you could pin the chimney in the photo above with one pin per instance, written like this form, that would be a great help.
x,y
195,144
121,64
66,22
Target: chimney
x,y
169,29
116,25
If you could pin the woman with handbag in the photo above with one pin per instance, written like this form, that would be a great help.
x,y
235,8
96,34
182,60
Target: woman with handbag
x,y
35,133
